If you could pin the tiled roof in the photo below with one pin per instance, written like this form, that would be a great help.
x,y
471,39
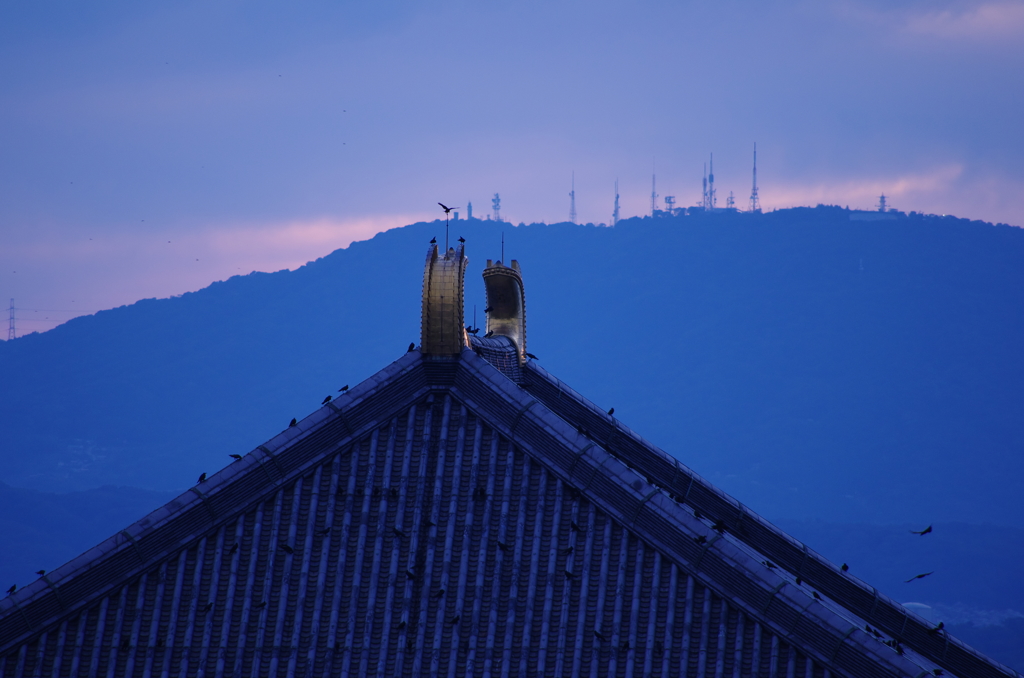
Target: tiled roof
x,y
439,519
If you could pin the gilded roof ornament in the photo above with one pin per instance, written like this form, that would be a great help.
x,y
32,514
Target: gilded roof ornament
x,y
441,329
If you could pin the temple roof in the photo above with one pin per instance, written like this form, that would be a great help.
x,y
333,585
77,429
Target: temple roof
x,y
450,516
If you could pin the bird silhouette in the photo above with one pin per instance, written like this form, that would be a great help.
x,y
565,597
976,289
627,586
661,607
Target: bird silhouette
x,y
719,527
287,549
410,574
343,388
455,620
611,411
816,596
573,526
532,357
697,514
412,347
433,241
922,532
398,533
260,605
488,309
202,478
569,575
326,400
489,334
209,606
13,588
461,239
236,457
447,210
440,594
40,572
701,539
324,532
401,625
568,550
918,576
799,581
503,547
293,422
845,568
233,549
938,628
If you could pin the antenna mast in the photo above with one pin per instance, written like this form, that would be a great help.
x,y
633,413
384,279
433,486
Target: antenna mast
x,y
496,204
755,203
615,212
572,200
711,183
704,189
11,333
654,195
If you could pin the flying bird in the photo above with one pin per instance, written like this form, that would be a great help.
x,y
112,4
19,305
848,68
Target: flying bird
x,y
922,532
236,457
202,478
447,210
293,422
919,576
326,400
343,388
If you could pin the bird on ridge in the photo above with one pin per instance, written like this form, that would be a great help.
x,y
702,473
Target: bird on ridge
x,y
461,239
293,422
14,587
532,357
412,347
326,400
845,568
611,411
202,478
343,388
236,457
922,532
40,572
433,241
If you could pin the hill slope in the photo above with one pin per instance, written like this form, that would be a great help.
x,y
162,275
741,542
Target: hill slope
x,y
807,364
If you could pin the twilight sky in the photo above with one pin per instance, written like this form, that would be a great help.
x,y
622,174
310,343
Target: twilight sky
x,y
148,150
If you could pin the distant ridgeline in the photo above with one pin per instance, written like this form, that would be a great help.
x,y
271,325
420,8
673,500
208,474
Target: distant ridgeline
x,y
810,364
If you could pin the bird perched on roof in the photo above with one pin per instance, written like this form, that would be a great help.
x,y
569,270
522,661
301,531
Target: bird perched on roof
x,y
845,568
233,549
799,581
918,576
209,606
433,241
324,532
14,587
293,422
202,478
922,532
938,628
569,575
40,572
343,388
461,239
769,564
287,549
701,539
489,334
412,347
532,357
816,596
440,594
236,457
455,620
611,411
326,400
719,527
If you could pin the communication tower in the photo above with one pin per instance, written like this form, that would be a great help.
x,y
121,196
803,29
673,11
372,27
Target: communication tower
x,y
496,204
572,200
10,328
670,204
469,210
615,212
654,196
882,206
730,202
712,201
704,189
755,203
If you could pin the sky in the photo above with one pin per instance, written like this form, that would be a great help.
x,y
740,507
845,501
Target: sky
x,y
149,149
